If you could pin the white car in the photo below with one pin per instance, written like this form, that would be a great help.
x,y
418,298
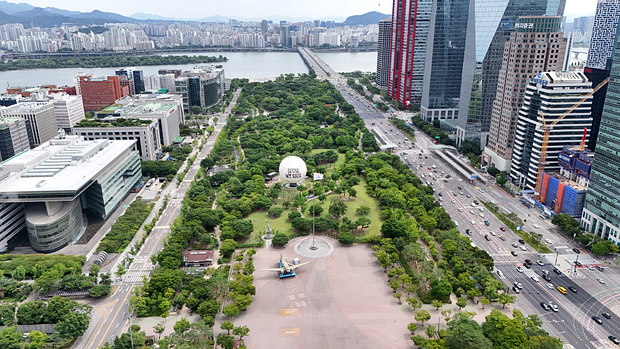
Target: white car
x,y
548,241
472,222
520,270
600,280
536,226
460,209
522,248
471,211
535,278
550,286
492,233
456,223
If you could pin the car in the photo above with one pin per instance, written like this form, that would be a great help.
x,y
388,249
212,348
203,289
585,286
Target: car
x,y
572,289
502,228
518,285
456,223
550,285
523,248
578,263
500,274
492,233
606,315
488,238
445,181
589,267
440,194
513,253
541,263
467,195
472,222
468,231
487,223
514,245
600,280
546,276
453,201
535,278
516,290
528,261
521,241
576,250
548,241
562,290
614,339
502,238
536,226
545,306
460,209
600,268
460,192
554,307
26,334
519,269
460,188
557,271
471,211
597,320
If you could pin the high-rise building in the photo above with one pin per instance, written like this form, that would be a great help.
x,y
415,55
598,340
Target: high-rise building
x,y
549,95
57,181
69,110
14,137
383,53
98,93
536,46
138,80
40,116
601,214
489,27
203,87
600,56
603,34
410,26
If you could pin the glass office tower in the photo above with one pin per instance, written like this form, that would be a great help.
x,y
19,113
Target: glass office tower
x,y
601,214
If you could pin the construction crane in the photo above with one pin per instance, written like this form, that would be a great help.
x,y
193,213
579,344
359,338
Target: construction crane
x,y
547,131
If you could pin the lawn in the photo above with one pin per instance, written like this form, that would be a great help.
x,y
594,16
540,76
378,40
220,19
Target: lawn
x,y
261,219
329,168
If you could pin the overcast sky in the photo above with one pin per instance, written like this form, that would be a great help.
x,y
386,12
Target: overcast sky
x,y
302,9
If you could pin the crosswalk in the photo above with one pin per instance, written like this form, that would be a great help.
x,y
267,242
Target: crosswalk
x,y
136,276
502,257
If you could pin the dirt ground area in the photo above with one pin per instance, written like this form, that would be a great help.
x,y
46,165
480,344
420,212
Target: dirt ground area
x,y
340,301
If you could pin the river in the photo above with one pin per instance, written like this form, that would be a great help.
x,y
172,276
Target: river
x,y
251,65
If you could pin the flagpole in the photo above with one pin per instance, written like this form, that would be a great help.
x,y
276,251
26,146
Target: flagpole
x,y
313,247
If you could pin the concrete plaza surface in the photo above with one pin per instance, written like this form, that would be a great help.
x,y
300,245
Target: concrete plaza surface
x,y
340,301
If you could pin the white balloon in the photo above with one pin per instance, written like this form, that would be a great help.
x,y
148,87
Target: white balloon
x,y
292,169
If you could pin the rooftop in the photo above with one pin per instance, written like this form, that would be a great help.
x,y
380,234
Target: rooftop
x,y
113,122
59,168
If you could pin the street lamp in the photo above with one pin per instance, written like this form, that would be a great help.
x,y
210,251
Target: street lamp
x,y
555,264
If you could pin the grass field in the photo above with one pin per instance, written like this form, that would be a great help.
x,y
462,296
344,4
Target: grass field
x,y
329,168
261,219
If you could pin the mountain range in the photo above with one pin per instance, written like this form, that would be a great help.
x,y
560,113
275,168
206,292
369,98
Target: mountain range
x,y
29,15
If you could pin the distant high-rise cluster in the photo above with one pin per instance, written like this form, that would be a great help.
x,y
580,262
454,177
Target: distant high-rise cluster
x,y
605,25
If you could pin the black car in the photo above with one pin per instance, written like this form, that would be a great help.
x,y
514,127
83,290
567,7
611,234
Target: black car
x,y
513,253
572,289
597,320
557,271
440,194
578,263
468,231
600,268
487,237
546,307
546,276
527,261
606,315
522,241
576,250
614,339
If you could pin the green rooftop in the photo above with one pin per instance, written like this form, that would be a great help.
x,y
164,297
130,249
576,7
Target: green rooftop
x,y
120,122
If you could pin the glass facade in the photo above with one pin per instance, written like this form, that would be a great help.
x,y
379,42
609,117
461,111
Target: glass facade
x,y
49,233
494,21
602,209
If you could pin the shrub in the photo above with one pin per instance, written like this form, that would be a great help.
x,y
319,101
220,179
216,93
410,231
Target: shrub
x,y
275,211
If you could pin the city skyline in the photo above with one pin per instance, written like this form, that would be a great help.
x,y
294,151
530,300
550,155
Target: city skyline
x,y
257,9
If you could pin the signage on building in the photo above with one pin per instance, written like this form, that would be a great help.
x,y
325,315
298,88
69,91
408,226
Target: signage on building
x,y
524,25
539,80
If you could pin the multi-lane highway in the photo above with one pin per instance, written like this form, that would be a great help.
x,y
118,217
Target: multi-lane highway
x,y
572,322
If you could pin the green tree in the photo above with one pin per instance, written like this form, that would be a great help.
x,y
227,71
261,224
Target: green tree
x,y
346,238
19,273
181,326
501,179
466,333
31,313
231,310
441,289
412,327
227,326
10,338
280,239
461,302
37,340
485,301
94,270
362,210
56,308
72,325
505,298
227,248
437,304
159,329
429,223
241,331
599,248
422,316
414,303
431,331
337,208
504,332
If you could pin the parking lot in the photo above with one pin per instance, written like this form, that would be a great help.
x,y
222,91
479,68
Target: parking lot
x,y
340,301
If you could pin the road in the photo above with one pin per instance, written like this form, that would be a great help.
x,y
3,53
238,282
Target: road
x,y
456,194
111,318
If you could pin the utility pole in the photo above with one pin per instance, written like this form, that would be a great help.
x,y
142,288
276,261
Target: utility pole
x,y
129,319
